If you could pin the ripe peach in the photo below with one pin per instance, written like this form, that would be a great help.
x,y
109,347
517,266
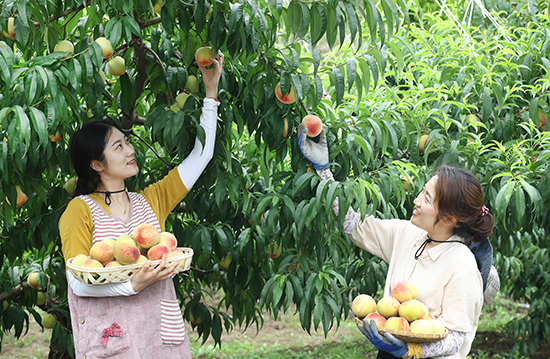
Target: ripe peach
x,y
113,264
169,240
32,280
21,197
274,250
404,290
421,326
102,252
425,311
192,83
388,307
156,251
55,138
313,124
410,310
92,263
398,323
79,259
110,242
203,56
11,33
106,47
541,123
126,253
142,259
363,305
438,327
117,66
125,239
288,98
422,143
285,128
146,235
380,320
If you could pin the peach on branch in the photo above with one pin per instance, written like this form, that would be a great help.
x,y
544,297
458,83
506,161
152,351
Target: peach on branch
x,y
388,307
405,183
106,47
363,305
421,326
541,123
11,33
422,143
473,120
285,128
70,185
192,84
410,310
175,108
226,261
379,320
64,46
55,138
274,250
404,290
313,124
398,323
48,320
21,197
32,280
181,99
169,240
156,252
5,305
203,56
40,298
437,326
117,66
146,235
158,6
102,252
287,98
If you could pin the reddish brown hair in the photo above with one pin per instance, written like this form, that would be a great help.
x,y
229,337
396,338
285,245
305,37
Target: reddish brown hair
x,y
458,194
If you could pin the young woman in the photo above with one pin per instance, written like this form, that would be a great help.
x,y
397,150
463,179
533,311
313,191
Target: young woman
x,y
430,250
140,318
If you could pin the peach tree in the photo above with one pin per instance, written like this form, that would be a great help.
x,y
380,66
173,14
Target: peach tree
x,y
379,74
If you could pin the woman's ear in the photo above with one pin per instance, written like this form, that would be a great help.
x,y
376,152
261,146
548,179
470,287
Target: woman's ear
x,y
96,165
449,221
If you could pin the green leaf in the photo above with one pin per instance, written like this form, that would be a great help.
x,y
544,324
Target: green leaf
x,y
23,123
339,86
503,198
318,22
351,20
373,68
40,125
351,71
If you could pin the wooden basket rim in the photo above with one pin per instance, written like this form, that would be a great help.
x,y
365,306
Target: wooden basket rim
x,y
100,276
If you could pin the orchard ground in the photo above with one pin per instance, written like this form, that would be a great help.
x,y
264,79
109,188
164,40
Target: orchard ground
x,y
284,338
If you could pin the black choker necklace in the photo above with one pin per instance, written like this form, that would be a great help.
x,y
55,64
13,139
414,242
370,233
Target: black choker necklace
x,y
108,195
425,243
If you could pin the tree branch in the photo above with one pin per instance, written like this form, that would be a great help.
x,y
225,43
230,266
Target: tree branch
x,y
14,292
150,147
170,96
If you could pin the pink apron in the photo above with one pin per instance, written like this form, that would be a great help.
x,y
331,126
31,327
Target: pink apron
x,y
148,325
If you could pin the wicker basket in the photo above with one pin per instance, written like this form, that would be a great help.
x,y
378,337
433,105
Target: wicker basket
x,y
408,336
98,276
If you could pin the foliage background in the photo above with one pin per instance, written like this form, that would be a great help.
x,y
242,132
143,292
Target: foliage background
x,y
380,75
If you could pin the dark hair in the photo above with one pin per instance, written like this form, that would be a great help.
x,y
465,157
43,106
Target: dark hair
x,y
88,144
458,194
